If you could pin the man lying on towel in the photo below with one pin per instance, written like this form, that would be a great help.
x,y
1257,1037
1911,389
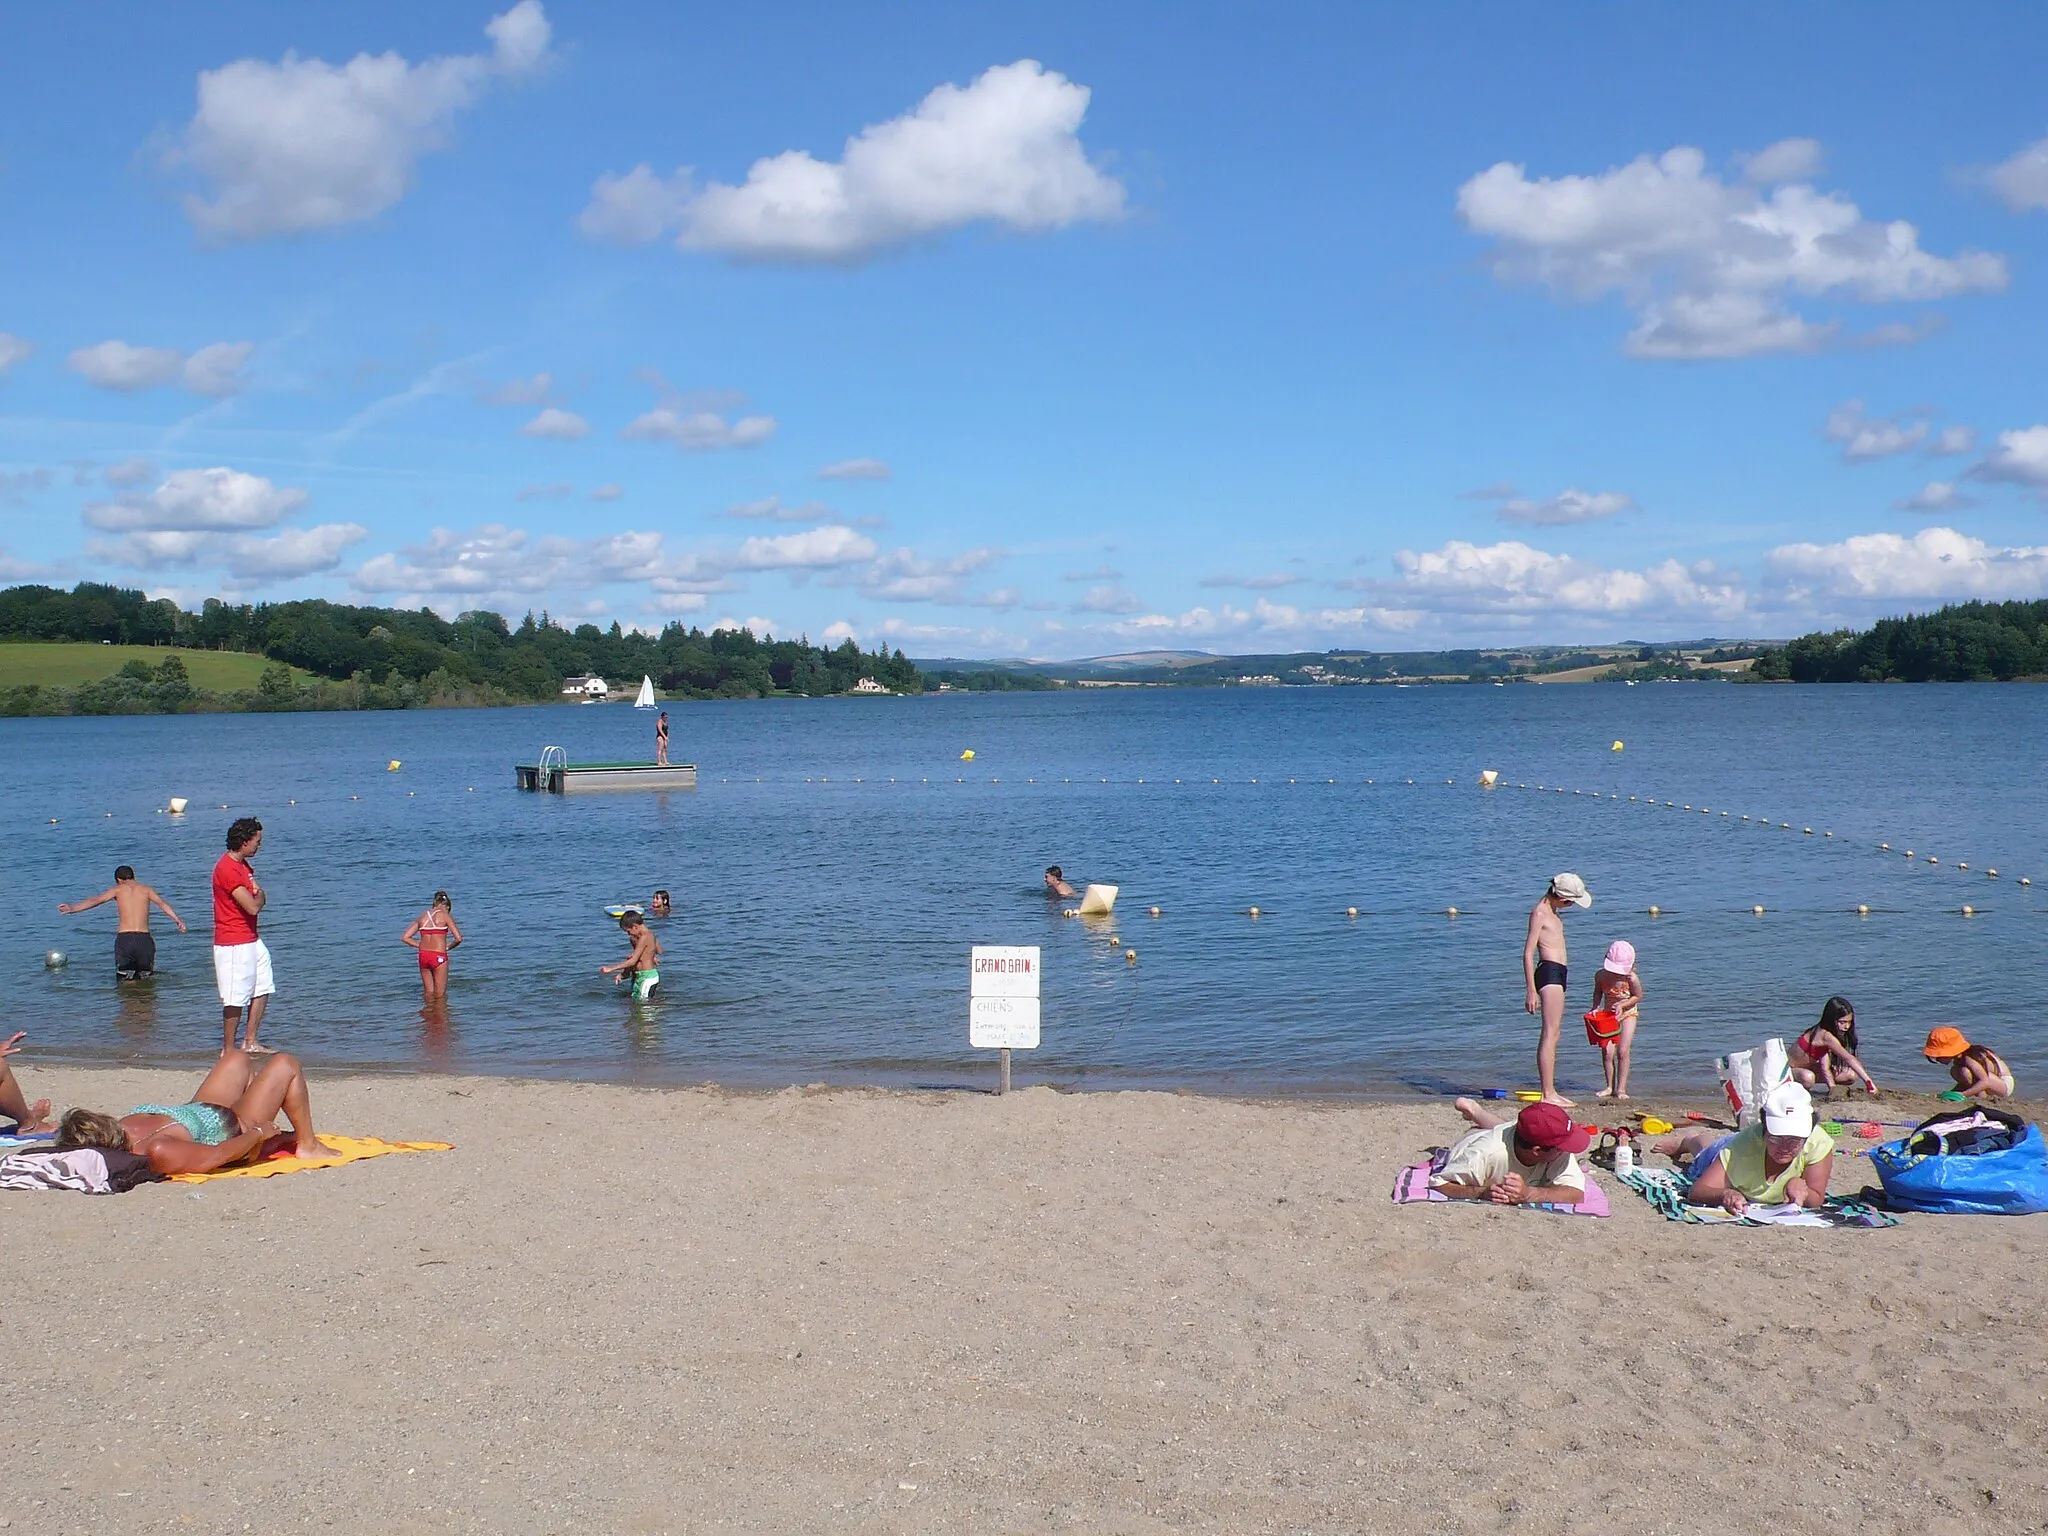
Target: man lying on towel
x,y
230,1118
1525,1161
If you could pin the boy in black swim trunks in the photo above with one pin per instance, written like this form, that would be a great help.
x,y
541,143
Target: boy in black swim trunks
x,y
1543,969
134,946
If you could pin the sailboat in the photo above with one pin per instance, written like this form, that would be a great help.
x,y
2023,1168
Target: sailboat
x,y
644,699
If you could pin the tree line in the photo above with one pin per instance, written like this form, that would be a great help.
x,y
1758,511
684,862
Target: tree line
x,y
394,658
1959,643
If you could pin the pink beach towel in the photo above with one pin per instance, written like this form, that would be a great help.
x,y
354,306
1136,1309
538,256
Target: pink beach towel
x,y
1412,1185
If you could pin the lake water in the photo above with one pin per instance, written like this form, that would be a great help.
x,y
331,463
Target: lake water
x,y
839,858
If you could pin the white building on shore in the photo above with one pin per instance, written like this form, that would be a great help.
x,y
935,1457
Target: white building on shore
x,y
585,688
868,685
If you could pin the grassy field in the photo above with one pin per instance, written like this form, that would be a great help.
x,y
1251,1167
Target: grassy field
x,y
63,664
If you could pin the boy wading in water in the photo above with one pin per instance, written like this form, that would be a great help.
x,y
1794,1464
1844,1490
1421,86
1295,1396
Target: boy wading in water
x,y
645,960
134,945
1543,958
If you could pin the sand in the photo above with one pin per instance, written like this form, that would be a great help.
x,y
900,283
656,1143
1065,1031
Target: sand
x,y
683,1310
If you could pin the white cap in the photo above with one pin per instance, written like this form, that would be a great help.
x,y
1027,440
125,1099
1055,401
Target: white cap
x,y
1788,1111
1572,889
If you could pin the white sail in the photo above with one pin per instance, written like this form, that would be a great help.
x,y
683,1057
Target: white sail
x,y
645,698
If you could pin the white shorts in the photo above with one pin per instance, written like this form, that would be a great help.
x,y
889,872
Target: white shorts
x,y
242,972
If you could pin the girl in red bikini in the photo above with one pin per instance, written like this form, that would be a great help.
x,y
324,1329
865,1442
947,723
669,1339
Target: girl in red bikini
x,y
433,933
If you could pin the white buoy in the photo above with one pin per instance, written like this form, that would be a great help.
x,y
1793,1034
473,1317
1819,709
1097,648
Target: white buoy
x,y
2025,881
1884,847
1450,911
1253,912
1963,867
1991,874
1969,911
1130,957
56,960
1806,831
1862,910
1759,911
1351,911
1656,911
1932,859
178,803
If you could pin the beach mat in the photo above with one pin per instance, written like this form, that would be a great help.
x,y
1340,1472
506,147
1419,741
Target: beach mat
x,y
344,1149
1411,1187
1665,1191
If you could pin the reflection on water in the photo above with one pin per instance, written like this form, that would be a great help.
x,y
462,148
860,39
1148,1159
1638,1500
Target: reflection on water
x,y
837,860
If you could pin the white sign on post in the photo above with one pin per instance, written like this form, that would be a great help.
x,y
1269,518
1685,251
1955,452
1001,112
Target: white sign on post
x,y
1002,1004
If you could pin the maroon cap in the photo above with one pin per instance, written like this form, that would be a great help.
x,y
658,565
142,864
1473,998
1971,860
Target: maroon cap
x,y
1550,1129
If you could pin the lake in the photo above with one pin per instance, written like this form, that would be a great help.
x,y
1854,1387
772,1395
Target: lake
x,y
839,858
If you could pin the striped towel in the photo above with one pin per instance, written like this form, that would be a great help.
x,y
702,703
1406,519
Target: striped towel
x,y
1665,1191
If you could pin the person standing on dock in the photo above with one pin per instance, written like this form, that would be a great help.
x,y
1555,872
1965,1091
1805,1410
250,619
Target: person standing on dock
x,y
1543,970
134,945
661,740
241,963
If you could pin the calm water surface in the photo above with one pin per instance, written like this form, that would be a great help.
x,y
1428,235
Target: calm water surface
x,y
839,858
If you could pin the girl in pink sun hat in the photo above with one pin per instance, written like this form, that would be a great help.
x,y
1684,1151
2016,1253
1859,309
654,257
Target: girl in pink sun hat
x,y
1611,1026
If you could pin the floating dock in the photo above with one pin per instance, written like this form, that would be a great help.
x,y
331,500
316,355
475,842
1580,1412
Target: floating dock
x,y
563,778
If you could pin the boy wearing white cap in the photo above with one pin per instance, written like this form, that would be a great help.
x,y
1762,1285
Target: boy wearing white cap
x,y
1543,962
1611,1026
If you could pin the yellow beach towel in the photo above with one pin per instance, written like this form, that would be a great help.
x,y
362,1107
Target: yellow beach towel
x,y
341,1149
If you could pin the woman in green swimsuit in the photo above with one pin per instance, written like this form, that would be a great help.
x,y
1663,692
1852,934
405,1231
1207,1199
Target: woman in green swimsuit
x,y
231,1117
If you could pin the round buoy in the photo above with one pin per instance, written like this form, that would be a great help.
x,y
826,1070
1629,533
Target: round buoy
x,y
1070,912
1990,874
1351,911
1615,748
53,821
56,960
1759,911
1656,911
1130,957
1909,853
1450,911
1963,867
1932,859
1253,912
2025,881
355,797
1884,847
392,766
1969,911
1806,831
1862,910
1785,826
1155,911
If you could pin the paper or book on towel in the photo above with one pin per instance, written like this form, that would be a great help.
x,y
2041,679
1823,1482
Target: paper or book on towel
x,y
1783,1216
1097,900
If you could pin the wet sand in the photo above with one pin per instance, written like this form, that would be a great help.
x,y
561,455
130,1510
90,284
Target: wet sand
x,y
682,1310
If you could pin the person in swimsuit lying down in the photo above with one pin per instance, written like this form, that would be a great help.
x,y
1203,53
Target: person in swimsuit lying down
x,y
644,961
230,1119
29,1119
1785,1159
433,933
1979,1071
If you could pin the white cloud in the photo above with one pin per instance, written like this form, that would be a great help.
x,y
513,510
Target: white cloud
x,y
12,569
13,350
1786,160
1513,579
537,390
1865,437
1933,565
291,553
760,626
698,431
1708,266
1934,496
558,491
564,426
609,491
1268,583
200,500
16,485
302,144
494,561
214,370
855,469
814,549
1953,440
2021,458
772,507
903,576
1567,508
1005,150
1108,598
2023,180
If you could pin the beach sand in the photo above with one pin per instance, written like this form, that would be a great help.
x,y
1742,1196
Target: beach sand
x,y
682,1310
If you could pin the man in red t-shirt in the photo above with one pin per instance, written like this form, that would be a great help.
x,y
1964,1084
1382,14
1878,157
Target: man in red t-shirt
x,y
241,964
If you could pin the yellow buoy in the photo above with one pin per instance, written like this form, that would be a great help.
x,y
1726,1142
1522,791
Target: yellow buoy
x,y
967,756
1615,748
1656,911
1862,910
1969,911
392,766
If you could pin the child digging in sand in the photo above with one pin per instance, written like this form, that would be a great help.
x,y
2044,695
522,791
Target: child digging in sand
x,y
1611,1026
1979,1071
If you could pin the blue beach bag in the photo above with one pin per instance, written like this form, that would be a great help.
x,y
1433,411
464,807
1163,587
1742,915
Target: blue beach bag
x,y
1995,1165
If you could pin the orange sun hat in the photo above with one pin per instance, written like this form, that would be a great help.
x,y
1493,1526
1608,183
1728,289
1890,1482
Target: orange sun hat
x,y
1944,1043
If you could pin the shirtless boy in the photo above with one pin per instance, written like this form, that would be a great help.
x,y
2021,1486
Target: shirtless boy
x,y
134,946
1543,970
644,961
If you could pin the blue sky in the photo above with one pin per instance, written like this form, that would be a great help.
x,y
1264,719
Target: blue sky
x,y
1046,330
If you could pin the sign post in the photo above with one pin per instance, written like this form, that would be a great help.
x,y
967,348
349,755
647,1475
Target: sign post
x,y
1002,1002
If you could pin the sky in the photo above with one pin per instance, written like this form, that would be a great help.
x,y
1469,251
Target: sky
x,y
1048,330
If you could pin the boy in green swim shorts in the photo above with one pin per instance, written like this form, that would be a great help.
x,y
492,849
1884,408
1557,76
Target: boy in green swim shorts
x,y
644,960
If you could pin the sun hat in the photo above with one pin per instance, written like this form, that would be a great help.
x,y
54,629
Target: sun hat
x,y
1944,1043
1572,889
1788,1111
1549,1129
1621,957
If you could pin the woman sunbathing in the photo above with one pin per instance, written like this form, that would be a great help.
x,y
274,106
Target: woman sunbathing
x,y
1784,1160
231,1118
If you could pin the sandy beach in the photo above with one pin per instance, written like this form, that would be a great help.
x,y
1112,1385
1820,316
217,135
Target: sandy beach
x,y
680,1310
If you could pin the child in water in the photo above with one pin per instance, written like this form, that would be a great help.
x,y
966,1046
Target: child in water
x,y
1611,1026
644,961
1979,1071
433,933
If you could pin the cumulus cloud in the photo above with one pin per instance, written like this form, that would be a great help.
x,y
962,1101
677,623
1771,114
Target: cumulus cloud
x,y
292,552
563,426
1093,573
214,370
1933,565
1267,583
1568,507
1786,160
538,390
303,145
197,501
1108,598
834,544
12,569
2022,180
903,576
1953,440
2021,458
1514,579
1934,496
494,561
855,469
1003,150
699,421
1865,437
17,485
771,507
13,350
1709,267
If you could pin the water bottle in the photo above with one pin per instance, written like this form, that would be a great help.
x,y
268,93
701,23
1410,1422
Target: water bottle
x,y
1625,1154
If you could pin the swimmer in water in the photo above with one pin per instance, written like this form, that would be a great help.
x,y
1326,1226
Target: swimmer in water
x,y
433,933
644,962
1056,882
